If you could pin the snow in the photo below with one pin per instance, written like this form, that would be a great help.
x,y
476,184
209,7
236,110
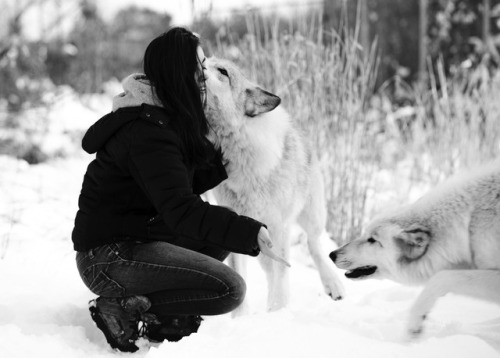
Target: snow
x,y
43,302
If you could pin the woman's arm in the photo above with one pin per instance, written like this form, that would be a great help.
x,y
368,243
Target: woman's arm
x,y
211,175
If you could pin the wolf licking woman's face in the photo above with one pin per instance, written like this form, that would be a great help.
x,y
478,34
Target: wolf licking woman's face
x,y
273,172
229,89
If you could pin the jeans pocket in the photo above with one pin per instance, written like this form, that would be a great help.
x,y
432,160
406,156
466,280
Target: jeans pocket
x,y
122,250
103,285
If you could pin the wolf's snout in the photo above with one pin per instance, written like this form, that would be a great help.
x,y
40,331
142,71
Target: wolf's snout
x,y
333,255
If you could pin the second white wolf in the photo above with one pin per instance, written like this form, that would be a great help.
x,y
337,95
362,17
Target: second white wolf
x,y
274,175
449,239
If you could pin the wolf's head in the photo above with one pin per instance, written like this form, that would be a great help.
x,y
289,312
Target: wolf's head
x,y
389,248
231,97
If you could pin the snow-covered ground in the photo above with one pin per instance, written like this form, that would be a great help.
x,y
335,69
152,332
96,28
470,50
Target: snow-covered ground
x,y
43,303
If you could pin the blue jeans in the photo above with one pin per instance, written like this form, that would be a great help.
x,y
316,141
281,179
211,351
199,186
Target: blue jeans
x,y
178,281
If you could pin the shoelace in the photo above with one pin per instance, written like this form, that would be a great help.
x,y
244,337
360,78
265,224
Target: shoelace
x,y
142,328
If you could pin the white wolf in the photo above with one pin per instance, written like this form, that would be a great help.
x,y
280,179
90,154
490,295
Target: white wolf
x,y
450,238
273,175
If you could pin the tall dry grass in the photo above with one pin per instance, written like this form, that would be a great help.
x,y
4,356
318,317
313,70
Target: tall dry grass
x,y
457,121
327,82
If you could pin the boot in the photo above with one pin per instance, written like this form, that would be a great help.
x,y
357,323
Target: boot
x,y
171,328
118,319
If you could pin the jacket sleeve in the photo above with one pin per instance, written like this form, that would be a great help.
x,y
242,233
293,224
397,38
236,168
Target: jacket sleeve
x,y
156,164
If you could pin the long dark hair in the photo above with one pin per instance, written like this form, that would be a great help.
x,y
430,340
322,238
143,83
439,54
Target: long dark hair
x,y
171,65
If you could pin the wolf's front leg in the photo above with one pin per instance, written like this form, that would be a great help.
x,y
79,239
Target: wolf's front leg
x,y
276,272
278,284
482,284
238,263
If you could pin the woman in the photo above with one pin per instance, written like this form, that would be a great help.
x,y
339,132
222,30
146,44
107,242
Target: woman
x,y
146,243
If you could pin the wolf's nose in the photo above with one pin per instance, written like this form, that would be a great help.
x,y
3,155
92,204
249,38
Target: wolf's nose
x,y
333,255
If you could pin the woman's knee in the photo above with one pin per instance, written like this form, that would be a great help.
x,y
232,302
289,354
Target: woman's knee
x,y
235,296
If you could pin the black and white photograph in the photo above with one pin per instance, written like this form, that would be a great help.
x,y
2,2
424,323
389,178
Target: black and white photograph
x,y
250,178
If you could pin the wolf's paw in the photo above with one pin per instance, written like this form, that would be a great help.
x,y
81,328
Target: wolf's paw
x,y
335,291
336,297
415,326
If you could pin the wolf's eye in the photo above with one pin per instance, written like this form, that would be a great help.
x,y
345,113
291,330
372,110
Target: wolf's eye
x,y
223,72
371,240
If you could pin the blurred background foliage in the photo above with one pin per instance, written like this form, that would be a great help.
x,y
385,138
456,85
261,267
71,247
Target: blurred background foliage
x,y
85,57
95,51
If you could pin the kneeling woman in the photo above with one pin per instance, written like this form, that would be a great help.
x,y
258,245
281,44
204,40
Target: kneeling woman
x,y
146,243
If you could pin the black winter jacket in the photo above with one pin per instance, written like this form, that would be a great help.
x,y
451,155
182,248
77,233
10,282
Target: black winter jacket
x,y
140,188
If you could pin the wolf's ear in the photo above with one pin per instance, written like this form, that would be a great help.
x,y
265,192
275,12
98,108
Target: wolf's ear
x,y
413,242
258,101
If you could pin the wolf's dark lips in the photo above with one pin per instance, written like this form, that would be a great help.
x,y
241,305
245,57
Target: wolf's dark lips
x,y
361,272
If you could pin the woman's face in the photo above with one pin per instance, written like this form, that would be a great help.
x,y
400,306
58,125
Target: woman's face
x,y
200,75
201,64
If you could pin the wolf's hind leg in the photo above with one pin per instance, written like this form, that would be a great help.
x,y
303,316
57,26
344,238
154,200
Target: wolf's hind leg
x,y
313,220
482,284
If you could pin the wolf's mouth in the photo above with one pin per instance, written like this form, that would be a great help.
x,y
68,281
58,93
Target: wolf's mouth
x,y
361,272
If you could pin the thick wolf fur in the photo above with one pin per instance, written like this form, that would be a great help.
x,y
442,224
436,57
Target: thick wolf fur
x,y
449,239
273,175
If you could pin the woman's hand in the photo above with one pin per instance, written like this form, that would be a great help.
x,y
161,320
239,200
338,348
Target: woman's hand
x,y
265,246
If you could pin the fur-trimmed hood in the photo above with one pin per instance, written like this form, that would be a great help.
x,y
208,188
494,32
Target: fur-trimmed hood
x,y
136,90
